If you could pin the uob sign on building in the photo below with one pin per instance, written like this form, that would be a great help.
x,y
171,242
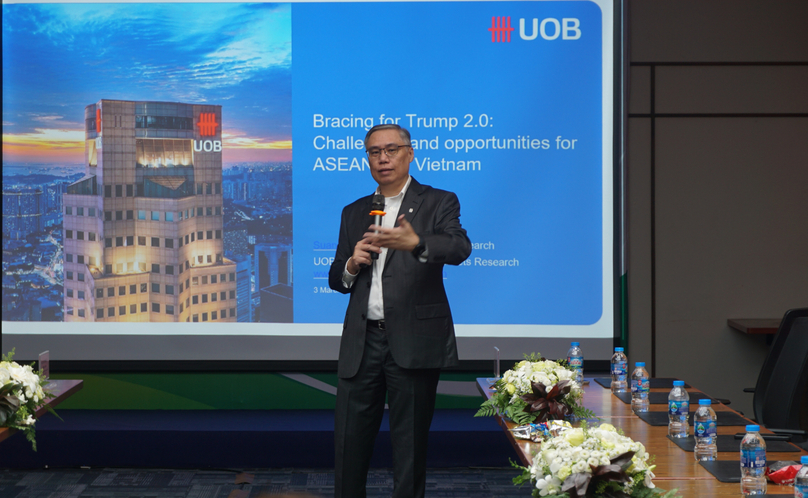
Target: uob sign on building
x,y
207,128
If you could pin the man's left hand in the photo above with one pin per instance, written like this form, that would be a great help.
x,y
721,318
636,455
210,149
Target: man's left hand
x,y
402,237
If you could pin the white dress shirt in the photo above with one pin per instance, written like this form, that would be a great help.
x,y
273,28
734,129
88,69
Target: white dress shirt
x,y
376,300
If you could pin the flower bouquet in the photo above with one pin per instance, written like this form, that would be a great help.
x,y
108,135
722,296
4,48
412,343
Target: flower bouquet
x,y
21,394
593,463
536,390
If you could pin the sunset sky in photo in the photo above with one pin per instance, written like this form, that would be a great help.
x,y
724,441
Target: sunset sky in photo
x,y
59,58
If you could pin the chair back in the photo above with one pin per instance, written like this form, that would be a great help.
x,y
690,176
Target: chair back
x,y
765,375
785,402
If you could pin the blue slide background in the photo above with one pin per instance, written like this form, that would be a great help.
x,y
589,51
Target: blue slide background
x,y
542,207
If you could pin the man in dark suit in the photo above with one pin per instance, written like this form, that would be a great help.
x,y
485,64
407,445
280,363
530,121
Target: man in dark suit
x,y
398,331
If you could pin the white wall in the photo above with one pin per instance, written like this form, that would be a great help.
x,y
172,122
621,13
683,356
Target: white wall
x,y
718,206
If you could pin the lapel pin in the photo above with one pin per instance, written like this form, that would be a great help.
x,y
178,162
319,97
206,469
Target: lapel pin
x,y
411,210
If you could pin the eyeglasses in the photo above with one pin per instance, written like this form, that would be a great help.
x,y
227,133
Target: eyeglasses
x,y
390,150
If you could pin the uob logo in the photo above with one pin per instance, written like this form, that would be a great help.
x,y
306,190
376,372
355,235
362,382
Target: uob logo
x,y
207,128
569,28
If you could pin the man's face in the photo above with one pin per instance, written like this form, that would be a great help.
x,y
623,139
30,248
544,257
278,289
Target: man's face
x,y
388,171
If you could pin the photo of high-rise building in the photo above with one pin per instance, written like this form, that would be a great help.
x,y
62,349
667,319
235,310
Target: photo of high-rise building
x,y
143,229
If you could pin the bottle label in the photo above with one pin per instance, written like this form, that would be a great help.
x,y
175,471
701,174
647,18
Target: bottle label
x,y
641,388
705,429
801,491
620,369
753,458
678,408
576,362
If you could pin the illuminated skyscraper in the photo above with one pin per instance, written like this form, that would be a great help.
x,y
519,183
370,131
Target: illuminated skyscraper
x,y
22,212
143,228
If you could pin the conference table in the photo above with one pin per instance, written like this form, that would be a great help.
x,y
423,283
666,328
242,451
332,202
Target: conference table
x,y
676,468
60,389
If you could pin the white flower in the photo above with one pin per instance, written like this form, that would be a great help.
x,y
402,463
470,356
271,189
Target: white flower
x,y
28,421
578,450
541,483
5,375
648,480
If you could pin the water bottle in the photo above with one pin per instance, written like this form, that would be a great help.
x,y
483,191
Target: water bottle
x,y
801,479
575,357
619,371
753,462
678,410
704,429
639,388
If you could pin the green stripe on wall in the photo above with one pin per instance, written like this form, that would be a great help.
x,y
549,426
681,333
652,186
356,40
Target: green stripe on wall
x,y
219,391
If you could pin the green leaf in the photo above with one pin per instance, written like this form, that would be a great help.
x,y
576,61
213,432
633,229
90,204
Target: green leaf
x,y
487,409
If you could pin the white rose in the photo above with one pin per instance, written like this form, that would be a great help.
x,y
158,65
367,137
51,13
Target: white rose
x,y
548,455
564,375
16,372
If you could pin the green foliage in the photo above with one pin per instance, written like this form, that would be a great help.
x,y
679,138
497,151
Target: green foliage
x,y
522,478
643,492
532,356
487,409
582,413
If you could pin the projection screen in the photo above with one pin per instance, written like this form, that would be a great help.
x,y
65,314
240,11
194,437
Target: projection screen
x,y
173,183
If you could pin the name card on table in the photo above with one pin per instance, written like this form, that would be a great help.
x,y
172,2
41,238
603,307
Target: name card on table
x,y
44,364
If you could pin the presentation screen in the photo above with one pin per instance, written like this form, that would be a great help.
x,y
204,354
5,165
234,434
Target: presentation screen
x,y
173,183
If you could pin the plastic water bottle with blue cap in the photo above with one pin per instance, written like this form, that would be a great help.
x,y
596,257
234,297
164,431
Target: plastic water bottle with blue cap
x,y
575,357
639,388
801,479
753,462
704,430
619,371
678,410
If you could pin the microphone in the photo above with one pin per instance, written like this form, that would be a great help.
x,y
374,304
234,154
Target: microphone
x,y
377,211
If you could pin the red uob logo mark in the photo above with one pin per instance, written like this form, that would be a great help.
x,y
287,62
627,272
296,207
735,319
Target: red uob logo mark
x,y
500,29
207,124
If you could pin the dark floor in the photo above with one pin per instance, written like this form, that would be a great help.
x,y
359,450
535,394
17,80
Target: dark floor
x,y
163,483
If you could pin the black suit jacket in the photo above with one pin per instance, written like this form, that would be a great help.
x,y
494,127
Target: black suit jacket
x,y
416,309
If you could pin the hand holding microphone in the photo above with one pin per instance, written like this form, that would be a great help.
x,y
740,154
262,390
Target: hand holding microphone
x,y
364,251
377,211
